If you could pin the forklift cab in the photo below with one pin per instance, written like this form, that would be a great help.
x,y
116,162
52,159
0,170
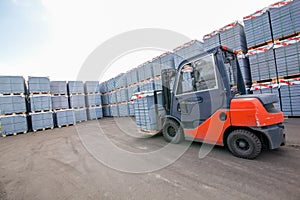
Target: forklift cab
x,y
202,85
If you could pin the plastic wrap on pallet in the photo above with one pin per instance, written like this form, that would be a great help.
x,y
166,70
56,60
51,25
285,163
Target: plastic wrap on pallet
x,y
262,63
75,87
91,87
64,117
38,84
106,111
187,51
11,124
41,120
77,101
285,17
123,109
58,87
257,28
144,108
12,84
93,99
60,102
12,104
288,56
133,89
80,114
41,102
114,110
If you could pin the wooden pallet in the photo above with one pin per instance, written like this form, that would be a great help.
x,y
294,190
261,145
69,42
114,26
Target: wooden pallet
x,y
93,93
260,45
58,95
287,37
66,125
39,93
79,107
11,94
43,129
74,94
41,111
14,134
20,113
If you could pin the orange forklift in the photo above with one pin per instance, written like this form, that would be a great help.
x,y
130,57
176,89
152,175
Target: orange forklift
x,y
205,100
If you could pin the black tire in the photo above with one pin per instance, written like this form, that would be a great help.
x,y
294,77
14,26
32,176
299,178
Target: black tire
x,y
244,144
172,132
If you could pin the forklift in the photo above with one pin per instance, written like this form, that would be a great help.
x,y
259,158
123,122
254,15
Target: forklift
x,y
205,100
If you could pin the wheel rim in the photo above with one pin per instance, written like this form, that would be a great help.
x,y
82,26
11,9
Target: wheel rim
x,y
242,144
171,131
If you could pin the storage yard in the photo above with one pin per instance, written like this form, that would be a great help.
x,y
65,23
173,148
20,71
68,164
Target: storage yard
x,y
55,165
43,156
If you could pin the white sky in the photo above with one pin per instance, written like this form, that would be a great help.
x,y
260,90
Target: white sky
x,y
77,27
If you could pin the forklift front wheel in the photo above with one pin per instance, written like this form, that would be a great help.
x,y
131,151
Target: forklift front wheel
x,y
172,132
244,144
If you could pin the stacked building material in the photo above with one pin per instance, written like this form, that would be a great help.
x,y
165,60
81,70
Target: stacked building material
x,y
233,37
262,62
257,28
212,40
288,56
145,111
114,109
187,51
13,105
106,111
132,77
131,108
123,109
273,41
13,124
93,100
40,104
133,89
38,85
285,18
64,117
76,94
12,85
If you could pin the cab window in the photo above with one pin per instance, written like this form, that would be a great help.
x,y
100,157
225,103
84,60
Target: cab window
x,y
196,76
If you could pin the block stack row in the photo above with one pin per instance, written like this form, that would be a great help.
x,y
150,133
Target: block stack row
x,y
13,107
145,111
233,37
117,92
273,50
40,104
93,100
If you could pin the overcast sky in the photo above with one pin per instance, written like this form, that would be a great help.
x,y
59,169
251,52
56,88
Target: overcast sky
x,y
54,37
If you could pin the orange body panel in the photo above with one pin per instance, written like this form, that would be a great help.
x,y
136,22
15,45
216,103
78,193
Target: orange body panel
x,y
211,131
251,112
244,112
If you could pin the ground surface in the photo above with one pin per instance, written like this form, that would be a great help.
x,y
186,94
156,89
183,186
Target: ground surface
x,y
55,165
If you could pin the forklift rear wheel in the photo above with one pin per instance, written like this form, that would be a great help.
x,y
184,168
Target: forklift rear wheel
x,y
172,132
244,144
